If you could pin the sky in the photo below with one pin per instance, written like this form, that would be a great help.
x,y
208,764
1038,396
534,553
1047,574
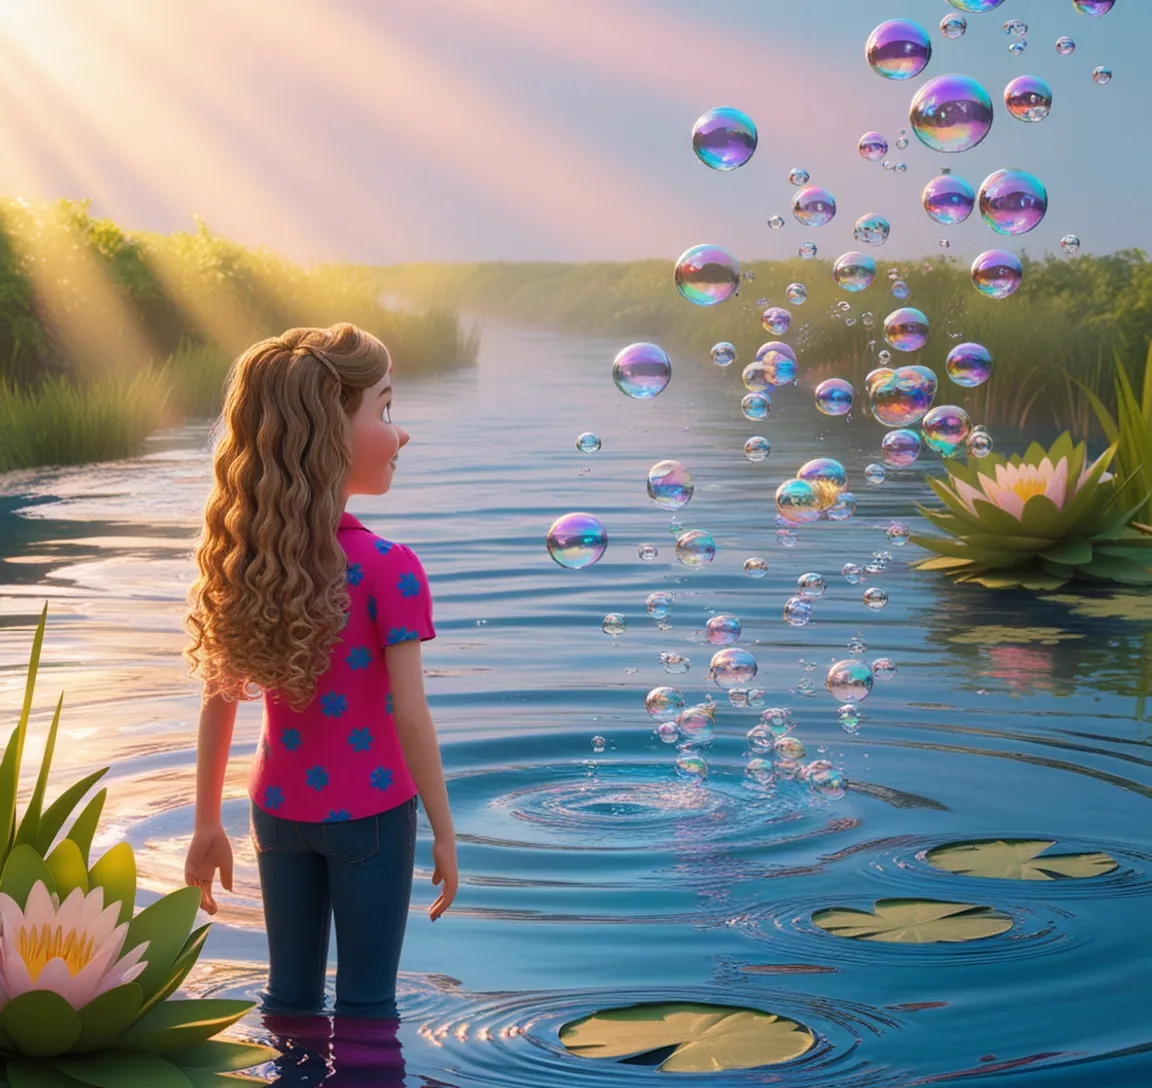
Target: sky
x,y
388,131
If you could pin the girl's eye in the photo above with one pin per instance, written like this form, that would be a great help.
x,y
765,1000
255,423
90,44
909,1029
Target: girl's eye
x,y
388,412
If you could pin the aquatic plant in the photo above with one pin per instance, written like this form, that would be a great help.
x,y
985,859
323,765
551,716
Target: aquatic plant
x,y
1037,522
72,1010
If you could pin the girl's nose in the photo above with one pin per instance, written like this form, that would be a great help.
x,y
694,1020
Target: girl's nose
x,y
404,436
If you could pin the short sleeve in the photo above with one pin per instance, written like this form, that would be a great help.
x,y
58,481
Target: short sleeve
x,y
402,601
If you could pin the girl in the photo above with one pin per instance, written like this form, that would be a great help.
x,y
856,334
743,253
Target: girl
x,y
298,597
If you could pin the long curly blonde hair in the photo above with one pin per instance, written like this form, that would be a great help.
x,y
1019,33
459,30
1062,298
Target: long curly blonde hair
x,y
271,597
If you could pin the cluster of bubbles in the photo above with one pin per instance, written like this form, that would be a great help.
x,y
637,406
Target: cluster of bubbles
x,y
820,488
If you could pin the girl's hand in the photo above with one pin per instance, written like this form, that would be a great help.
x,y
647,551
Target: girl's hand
x,y
209,850
444,857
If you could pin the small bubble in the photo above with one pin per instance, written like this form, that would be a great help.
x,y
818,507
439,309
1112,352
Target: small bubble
x,y
901,167
755,566
1102,75
614,624
786,538
1018,46
776,222
875,474
953,26
902,143
1065,46
808,250
1069,243
757,448
898,533
647,552
796,293
851,573
875,598
798,176
797,611
588,442
723,353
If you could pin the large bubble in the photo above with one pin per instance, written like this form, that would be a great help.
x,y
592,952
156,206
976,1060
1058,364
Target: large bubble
x,y
898,49
664,702
948,199
813,206
776,320
901,397
906,329
871,229
976,5
872,146
732,667
1093,8
774,364
1028,98
797,502
706,275
834,397
969,364
951,113
670,484
996,273
724,138
1012,201
576,540
826,477
900,448
946,429
854,271
695,548
849,681
641,370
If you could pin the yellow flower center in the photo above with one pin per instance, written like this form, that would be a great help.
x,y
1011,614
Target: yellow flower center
x,y
1027,486
38,946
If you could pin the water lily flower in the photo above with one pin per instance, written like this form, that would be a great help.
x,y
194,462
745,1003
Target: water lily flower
x,y
1014,485
72,948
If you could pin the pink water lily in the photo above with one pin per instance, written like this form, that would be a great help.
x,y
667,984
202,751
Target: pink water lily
x,y
73,949
1014,485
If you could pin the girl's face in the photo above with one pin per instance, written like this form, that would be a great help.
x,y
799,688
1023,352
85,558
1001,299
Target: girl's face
x,y
376,442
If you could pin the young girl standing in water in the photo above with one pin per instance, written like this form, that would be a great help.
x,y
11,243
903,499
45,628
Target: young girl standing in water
x,y
296,596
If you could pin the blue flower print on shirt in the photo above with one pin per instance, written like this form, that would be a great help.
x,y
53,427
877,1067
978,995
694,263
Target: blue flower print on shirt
x,y
333,704
291,739
388,703
359,658
383,546
317,778
355,574
273,797
266,747
400,634
340,814
360,739
381,778
371,608
409,585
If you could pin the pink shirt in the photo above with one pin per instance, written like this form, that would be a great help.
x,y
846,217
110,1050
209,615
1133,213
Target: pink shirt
x,y
340,758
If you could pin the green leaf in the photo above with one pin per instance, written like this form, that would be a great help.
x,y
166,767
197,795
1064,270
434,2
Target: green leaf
x,y
173,1025
950,499
40,1023
184,962
38,1073
940,562
107,1016
1018,859
1117,569
203,1078
66,864
114,1069
1042,517
914,921
165,926
1071,552
707,1038
995,520
948,522
26,832
57,812
224,1055
1004,542
84,827
22,869
115,872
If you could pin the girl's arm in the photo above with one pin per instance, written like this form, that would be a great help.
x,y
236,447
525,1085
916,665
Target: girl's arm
x,y
217,719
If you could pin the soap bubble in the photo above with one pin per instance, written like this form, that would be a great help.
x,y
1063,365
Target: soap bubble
x,y
1014,26
872,146
901,144
969,364
696,724
867,319
797,612
946,429
796,293
647,552
775,364
900,167
706,275
900,448
760,738
900,397
948,199
898,49
797,502
851,573
1102,75
854,271
757,448
834,397
875,598
776,320
755,566
996,273
786,538
830,784
849,718
817,766
953,26
724,138
776,221
1093,8
951,113
1065,46
756,406
883,668
871,229
813,206
1028,98
842,509
811,585
976,5
722,630
663,702
798,176
825,476
906,329
732,666
1012,201
807,250
695,548
779,720
641,370
674,662
1017,47
723,354
850,680
1069,243
658,604
667,732
898,533
875,474
691,768
760,771
670,484
614,624
979,444
587,442
900,290
576,540
791,748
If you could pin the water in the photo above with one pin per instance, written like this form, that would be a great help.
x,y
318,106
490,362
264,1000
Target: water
x,y
598,880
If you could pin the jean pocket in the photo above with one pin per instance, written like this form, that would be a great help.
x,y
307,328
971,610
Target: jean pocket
x,y
352,840
263,830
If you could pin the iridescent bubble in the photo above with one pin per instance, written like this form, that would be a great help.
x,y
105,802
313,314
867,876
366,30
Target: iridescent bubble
x,y
857,644
872,146
776,320
786,538
969,364
946,429
813,206
871,229
900,397
901,144
658,605
811,585
722,630
724,138
723,354
849,717
951,113
696,724
641,370
776,363
900,290
760,738
875,598
807,250
1102,75
898,533
776,221
842,509
706,275
587,442
825,476
667,732
883,668
614,624
1028,98
953,26
1069,243
664,702
796,293
755,566
761,771
797,612
850,680
817,766
792,748
854,271
1093,8
1012,201
948,199
797,502
691,768
670,484
996,273
1065,46
906,329
756,406
900,447
732,666
979,444
695,548
1017,47
898,49
976,5
875,474
831,784
798,175
834,397
851,573
576,540
674,663
599,744
757,448
779,720
647,552
1014,26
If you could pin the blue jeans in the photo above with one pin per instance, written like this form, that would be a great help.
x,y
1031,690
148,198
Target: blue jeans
x,y
358,871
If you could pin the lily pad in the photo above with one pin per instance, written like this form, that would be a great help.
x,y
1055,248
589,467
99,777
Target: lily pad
x,y
1018,859
111,1069
703,1038
914,921
40,1023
